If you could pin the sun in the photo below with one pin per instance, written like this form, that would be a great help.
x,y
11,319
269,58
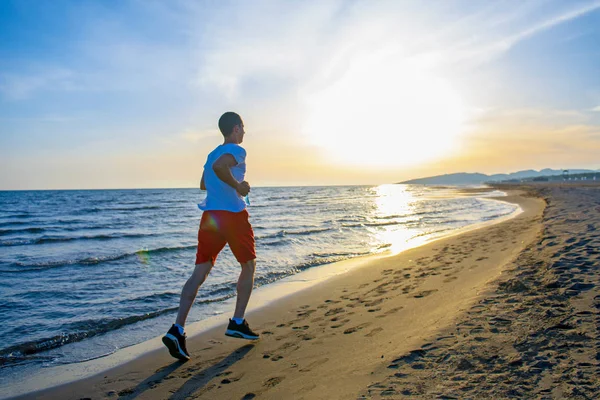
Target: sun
x,y
385,111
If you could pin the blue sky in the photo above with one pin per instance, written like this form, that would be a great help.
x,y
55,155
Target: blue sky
x,y
99,94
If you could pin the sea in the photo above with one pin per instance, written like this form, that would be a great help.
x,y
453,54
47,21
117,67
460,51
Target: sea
x,y
84,273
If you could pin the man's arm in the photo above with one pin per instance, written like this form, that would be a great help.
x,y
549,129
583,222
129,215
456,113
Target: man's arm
x,y
202,185
222,168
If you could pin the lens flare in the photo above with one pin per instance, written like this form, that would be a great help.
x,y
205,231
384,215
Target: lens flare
x,y
143,256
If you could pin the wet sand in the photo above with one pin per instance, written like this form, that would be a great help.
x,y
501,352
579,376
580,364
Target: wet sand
x,y
508,310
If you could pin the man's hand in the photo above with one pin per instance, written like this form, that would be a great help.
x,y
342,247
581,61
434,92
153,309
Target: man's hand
x,y
243,188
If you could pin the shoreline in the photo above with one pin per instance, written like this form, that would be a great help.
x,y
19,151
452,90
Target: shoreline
x,y
63,375
213,336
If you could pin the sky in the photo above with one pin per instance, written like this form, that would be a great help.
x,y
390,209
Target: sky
x,y
127,94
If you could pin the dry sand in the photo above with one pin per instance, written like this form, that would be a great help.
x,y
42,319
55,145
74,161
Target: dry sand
x,y
509,310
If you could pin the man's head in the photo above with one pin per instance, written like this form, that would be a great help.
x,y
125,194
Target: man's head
x,y
232,127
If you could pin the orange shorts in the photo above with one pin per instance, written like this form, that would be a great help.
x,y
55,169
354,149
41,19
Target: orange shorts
x,y
218,228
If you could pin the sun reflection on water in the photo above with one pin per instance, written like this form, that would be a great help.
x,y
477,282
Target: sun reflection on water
x,y
397,203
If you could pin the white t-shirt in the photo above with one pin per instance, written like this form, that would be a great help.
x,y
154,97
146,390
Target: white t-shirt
x,y
219,195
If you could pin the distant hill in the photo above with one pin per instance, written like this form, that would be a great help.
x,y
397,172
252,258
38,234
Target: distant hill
x,y
465,178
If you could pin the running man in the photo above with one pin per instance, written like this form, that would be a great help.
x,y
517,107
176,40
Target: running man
x,y
224,221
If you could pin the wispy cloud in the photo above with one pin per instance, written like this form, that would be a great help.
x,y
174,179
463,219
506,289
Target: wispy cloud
x,y
195,136
21,86
501,30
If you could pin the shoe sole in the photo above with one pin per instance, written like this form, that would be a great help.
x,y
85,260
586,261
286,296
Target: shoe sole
x,y
239,335
174,349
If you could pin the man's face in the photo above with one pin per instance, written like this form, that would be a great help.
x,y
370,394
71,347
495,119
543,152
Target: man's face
x,y
239,130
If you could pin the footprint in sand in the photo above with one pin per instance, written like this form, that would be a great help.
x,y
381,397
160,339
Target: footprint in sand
x,y
305,313
334,311
300,328
341,323
374,332
424,293
313,364
356,328
407,289
232,379
271,382
374,303
389,312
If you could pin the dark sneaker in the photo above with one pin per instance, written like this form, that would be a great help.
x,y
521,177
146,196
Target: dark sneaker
x,y
240,331
175,342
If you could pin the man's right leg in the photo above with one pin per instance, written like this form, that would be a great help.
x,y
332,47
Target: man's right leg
x,y
245,284
244,288
175,337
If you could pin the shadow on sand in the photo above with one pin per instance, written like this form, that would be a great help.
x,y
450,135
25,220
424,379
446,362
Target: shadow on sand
x,y
151,381
198,381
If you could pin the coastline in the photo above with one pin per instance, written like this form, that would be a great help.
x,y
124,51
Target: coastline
x,y
211,350
69,373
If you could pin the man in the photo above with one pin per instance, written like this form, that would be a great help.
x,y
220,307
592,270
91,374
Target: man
x,y
224,221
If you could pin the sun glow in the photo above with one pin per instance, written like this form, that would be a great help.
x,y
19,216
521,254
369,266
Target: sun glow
x,y
385,111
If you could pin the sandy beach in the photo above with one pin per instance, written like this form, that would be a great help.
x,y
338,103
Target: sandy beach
x,y
506,311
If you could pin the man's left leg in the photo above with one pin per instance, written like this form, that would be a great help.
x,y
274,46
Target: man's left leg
x,y
175,338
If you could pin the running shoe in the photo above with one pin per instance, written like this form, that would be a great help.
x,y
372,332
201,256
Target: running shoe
x,y
240,331
175,342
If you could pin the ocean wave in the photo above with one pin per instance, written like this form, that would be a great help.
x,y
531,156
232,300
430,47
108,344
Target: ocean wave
x,y
134,208
275,243
96,210
225,290
19,215
318,259
221,293
376,224
21,230
283,233
431,232
12,223
358,225
270,277
494,216
373,224
27,267
54,239
81,330
352,219
152,298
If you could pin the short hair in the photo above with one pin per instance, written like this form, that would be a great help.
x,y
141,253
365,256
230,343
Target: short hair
x,y
228,121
